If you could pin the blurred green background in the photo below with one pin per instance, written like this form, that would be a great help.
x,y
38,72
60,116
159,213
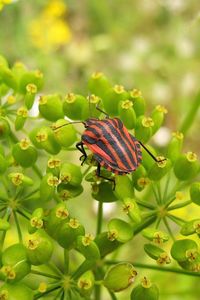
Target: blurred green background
x,y
150,45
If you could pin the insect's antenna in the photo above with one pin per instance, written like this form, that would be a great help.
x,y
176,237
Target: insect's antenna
x,y
78,122
149,152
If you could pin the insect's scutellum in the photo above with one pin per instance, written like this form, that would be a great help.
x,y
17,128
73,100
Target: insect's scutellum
x,y
113,147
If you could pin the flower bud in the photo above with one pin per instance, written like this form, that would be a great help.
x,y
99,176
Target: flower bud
x,y
33,77
127,113
112,98
143,128
159,169
155,235
86,283
24,153
91,111
131,208
39,247
15,291
98,84
31,90
175,146
154,251
87,247
8,77
119,277
71,173
58,216
145,291
140,178
181,248
36,221
191,227
157,116
139,104
15,263
186,166
103,192
106,243
66,135
121,230
68,233
4,128
195,192
74,106
124,187
22,114
51,107
43,138
47,186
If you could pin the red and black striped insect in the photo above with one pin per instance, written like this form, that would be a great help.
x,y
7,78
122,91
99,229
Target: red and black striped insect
x,y
113,147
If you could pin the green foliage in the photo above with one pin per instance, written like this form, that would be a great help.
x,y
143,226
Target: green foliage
x,y
40,181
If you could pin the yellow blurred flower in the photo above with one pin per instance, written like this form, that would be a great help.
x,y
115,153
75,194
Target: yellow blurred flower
x,y
4,2
50,30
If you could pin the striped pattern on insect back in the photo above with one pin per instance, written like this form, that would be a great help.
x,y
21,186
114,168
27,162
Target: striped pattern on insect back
x,y
112,145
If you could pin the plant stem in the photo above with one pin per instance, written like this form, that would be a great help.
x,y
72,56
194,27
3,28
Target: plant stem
x,y
18,226
155,195
168,228
99,217
66,261
112,295
45,274
37,171
176,219
86,171
145,204
179,205
40,295
159,191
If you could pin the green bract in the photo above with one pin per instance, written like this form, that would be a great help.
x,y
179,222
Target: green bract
x,y
39,247
119,277
141,292
65,135
15,291
50,107
120,230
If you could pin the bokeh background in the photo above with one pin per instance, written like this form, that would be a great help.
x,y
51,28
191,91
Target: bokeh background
x,y
150,45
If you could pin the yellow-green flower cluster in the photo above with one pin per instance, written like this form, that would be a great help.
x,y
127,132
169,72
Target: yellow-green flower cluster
x,y
49,30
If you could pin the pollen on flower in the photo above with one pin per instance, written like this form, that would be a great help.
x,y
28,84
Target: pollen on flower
x,y
36,222
74,223
62,213
196,226
22,111
163,259
126,104
11,99
191,156
31,88
87,239
147,122
41,136
178,135
84,284
16,178
161,161
54,163
135,93
24,144
53,181
42,100
119,89
112,235
143,181
32,244
162,109
146,283
93,99
70,98
4,293
191,254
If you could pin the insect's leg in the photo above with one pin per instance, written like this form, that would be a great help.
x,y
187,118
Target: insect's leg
x,y
98,172
154,158
80,147
99,109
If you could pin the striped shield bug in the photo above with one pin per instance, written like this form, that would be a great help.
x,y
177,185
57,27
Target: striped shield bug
x,y
113,147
